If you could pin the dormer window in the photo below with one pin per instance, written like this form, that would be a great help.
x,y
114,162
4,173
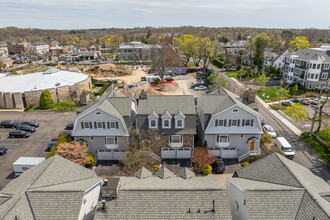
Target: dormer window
x,y
179,120
153,120
166,120
166,123
153,123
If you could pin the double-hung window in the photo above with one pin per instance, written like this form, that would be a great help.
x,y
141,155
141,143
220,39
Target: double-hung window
x,y
222,139
86,124
111,140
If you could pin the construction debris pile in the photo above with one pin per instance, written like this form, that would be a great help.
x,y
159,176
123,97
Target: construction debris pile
x,y
108,70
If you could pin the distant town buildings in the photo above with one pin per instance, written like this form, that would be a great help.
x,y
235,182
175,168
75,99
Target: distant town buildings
x,y
138,51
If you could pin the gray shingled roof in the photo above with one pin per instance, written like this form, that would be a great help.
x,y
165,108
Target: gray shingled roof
x,y
142,173
164,173
311,53
174,105
186,173
173,198
45,191
171,103
276,169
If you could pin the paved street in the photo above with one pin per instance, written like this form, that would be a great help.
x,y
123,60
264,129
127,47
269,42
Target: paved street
x,y
305,155
51,124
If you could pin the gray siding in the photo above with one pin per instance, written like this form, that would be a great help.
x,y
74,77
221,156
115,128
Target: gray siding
x,y
228,114
99,143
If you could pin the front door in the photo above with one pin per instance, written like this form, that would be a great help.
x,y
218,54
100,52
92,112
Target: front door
x,y
252,145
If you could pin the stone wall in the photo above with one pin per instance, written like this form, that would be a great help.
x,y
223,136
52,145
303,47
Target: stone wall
x,y
59,94
155,142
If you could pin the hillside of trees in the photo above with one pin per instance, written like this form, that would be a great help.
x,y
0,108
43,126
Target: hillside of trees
x,y
16,35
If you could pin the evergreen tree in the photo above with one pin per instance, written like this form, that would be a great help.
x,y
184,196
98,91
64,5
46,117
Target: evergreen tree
x,y
46,100
259,53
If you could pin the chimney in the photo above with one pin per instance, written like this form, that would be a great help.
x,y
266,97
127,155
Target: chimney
x,y
169,40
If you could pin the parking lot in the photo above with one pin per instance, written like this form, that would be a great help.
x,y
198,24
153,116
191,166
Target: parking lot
x,y
306,126
51,124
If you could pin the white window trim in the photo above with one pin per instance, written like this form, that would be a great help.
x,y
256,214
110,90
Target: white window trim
x,y
176,123
250,119
171,139
115,140
232,122
156,123
163,123
110,124
87,122
223,122
326,66
324,74
97,124
219,135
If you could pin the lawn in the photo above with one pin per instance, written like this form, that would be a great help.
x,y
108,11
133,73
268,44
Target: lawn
x,y
108,54
60,106
232,74
277,107
322,151
271,92
324,135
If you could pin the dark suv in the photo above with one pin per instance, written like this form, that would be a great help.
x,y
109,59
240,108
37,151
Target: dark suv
x,y
19,133
26,128
219,166
9,124
30,123
69,127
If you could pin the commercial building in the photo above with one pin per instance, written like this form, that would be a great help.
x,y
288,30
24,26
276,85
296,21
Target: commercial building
x,y
138,51
19,91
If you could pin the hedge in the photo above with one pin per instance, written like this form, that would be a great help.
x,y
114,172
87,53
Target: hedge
x,y
103,89
62,138
218,63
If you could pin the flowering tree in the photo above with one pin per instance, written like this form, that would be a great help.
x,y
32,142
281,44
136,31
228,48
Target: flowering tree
x,y
202,156
73,151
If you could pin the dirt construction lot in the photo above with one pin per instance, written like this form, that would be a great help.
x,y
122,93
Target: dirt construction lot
x,y
51,124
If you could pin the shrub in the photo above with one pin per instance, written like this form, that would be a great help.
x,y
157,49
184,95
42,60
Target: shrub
x,y
207,169
91,161
28,108
218,63
205,144
198,144
197,169
266,138
46,100
245,163
62,138
157,81
103,89
13,71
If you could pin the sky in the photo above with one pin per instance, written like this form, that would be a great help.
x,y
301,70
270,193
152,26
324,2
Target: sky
x,y
85,14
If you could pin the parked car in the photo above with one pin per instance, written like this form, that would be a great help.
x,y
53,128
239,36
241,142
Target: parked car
x,y
315,101
286,148
31,123
69,126
50,145
297,101
3,150
26,128
55,138
9,124
269,130
200,88
306,102
19,133
219,166
286,103
262,121
67,132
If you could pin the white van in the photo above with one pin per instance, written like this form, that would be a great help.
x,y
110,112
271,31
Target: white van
x,y
285,147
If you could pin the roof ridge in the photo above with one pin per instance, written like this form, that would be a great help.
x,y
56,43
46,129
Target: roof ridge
x,y
288,168
24,191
